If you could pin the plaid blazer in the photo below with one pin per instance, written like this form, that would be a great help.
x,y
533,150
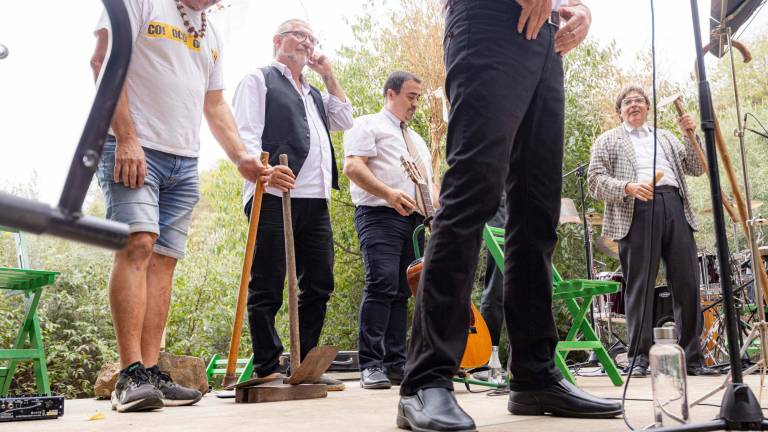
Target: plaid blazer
x,y
613,165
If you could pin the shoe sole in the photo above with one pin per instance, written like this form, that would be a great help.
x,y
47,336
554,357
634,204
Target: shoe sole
x,y
536,410
404,423
148,404
181,402
376,386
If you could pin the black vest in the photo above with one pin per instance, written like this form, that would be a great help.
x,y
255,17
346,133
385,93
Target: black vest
x,y
286,127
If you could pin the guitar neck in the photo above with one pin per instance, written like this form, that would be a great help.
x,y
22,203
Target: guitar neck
x,y
423,190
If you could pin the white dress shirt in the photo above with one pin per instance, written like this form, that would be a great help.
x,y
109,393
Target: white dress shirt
x,y
642,140
379,138
249,108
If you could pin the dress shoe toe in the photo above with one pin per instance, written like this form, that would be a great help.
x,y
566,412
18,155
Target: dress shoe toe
x,y
374,378
561,399
433,410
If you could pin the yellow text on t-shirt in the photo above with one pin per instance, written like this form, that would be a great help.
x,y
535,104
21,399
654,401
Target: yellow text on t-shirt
x,y
158,30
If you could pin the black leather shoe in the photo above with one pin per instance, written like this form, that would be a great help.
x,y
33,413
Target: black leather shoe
x,y
636,372
702,371
374,378
433,410
561,399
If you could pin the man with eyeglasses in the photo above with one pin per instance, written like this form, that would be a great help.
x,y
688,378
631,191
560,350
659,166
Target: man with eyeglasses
x,y
621,173
278,111
504,79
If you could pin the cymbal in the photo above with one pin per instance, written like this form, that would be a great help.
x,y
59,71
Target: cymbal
x,y
607,246
755,204
594,218
568,212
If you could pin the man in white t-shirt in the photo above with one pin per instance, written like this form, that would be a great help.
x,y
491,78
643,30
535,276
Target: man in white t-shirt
x,y
386,214
148,173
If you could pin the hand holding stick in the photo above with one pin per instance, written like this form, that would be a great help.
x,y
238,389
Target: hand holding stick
x,y
250,245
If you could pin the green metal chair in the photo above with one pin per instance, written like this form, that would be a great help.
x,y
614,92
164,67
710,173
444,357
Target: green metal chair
x,y
29,341
217,367
581,336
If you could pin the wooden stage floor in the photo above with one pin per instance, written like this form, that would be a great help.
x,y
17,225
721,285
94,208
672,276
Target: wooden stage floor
x,y
356,409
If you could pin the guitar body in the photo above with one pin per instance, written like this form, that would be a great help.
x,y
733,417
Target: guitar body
x,y
478,349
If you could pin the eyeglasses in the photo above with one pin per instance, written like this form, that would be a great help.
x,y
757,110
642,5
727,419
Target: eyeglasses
x,y
301,36
634,100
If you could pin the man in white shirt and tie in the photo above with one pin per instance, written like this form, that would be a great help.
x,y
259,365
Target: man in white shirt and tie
x,y
386,213
278,111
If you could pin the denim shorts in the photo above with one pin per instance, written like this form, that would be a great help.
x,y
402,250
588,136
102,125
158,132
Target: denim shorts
x,y
163,206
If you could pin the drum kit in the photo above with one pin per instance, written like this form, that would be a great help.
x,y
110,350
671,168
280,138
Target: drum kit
x,y
610,309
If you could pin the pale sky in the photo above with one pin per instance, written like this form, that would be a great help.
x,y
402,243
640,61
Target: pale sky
x,y
46,85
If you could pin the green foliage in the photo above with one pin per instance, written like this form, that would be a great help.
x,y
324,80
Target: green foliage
x,y
75,315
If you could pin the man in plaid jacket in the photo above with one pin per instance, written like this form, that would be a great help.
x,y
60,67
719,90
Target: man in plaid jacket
x,y
621,173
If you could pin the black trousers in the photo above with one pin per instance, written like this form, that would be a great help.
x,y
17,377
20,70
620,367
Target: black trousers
x,y
387,249
492,299
313,241
505,132
671,239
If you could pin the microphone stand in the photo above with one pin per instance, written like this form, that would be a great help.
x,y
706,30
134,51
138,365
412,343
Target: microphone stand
x,y
581,174
740,409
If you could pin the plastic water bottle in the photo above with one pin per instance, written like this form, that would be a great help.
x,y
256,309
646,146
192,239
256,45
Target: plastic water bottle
x,y
668,379
495,374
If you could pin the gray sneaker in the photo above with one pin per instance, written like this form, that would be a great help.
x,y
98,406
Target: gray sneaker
x,y
173,394
133,391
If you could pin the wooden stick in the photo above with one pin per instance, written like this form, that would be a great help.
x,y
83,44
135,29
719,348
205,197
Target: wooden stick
x,y
726,159
741,205
657,178
245,276
293,284
703,160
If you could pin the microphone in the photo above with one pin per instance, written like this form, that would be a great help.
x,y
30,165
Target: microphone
x,y
3,51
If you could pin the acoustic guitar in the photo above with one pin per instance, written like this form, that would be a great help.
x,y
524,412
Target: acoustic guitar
x,y
478,349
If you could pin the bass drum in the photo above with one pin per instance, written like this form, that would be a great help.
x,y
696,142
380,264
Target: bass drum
x,y
617,298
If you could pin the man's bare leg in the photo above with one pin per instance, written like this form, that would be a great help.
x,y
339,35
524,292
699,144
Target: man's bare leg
x,y
159,282
128,295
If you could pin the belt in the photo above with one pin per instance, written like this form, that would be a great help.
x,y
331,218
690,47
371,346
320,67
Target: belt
x,y
554,17
666,189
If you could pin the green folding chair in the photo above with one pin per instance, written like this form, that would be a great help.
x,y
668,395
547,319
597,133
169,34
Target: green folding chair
x,y
29,341
217,367
581,336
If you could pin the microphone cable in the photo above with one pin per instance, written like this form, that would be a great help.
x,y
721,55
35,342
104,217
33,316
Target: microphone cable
x,y
649,250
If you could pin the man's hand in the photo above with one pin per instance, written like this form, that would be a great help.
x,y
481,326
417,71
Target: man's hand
x,y
281,177
535,13
401,202
320,64
130,164
641,191
577,18
686,123
250,167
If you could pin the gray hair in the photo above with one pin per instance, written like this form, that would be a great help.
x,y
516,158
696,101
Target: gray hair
x,y
285,26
